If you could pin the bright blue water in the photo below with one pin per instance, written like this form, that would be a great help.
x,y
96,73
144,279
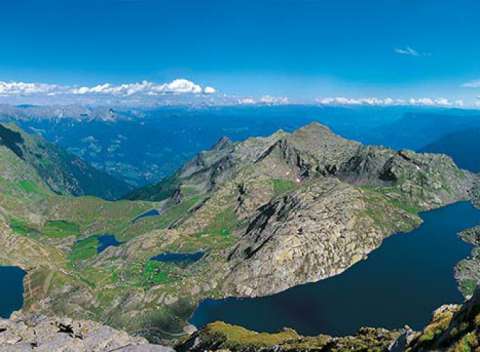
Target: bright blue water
x,y
11,283
152,212
105,241
184,258
400,283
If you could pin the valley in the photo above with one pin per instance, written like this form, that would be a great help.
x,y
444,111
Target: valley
x,y
258,217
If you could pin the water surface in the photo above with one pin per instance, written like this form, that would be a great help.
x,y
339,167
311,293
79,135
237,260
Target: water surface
x,y
400,283
152,212
105,241
183,258
11,283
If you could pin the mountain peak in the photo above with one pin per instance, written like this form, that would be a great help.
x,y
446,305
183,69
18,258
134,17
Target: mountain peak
x,y
223,143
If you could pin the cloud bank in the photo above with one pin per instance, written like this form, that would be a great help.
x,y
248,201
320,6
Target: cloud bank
x,y
374,101
178,86
265,100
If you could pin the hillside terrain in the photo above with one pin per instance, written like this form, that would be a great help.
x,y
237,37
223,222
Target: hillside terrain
x,y
247,218
61,172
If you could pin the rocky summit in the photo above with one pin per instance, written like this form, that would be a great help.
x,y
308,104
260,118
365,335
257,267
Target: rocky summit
x,y
265,214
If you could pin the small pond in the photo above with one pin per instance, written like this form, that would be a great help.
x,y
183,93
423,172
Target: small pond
x,y
152,212
105,241
11,283
181,258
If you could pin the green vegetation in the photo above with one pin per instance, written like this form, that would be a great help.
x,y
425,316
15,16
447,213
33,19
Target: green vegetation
x,y
158,192
467,286
84,249
21,227
60,228
175,212
236,336
153,274
223,224
31,187
282,186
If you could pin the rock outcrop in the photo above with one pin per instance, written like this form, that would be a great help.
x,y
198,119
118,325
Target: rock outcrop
x,y
42,334
220,336
453,328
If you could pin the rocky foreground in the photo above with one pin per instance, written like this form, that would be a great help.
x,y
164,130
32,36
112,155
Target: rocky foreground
x,y
66,335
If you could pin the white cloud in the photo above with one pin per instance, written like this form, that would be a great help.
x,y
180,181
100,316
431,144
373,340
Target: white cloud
x,y
374,101
178,86
22,88
472,84
247,101
409,51
209,90
265,100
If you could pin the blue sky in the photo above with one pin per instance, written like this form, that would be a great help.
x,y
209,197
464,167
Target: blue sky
x,y
303,49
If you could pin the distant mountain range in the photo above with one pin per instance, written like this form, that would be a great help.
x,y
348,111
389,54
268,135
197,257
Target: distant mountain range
x,y
142,146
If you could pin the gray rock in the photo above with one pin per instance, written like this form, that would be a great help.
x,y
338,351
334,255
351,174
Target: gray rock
x,y
42,334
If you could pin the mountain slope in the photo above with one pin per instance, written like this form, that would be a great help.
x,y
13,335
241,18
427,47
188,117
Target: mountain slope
x,y
462,146
62,172
301,190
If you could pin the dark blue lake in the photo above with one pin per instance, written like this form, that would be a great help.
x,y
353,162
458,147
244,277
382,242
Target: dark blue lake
x,y
11,282
152,212
400,283
105,241
183,258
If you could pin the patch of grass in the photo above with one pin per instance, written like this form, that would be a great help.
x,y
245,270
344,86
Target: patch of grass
x,y
84,249
153,273
236,336
60,228
30,187
223,224
176,212
21,227
467,286
282,186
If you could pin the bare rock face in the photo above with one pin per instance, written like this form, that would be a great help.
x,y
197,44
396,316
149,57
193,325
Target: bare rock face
x,y
42,334
311,234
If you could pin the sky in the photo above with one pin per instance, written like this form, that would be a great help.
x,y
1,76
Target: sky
x,y
280,51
